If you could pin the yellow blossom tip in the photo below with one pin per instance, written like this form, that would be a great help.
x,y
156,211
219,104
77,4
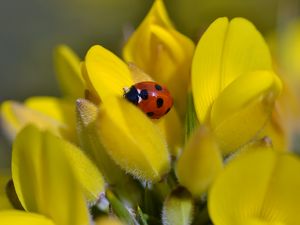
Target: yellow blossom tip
x,y
178,208
87,110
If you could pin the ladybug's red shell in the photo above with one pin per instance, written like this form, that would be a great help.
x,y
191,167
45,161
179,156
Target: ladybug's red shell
x,y
152,98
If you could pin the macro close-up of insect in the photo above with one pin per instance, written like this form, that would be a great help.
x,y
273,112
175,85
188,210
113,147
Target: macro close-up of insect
x,y
152,98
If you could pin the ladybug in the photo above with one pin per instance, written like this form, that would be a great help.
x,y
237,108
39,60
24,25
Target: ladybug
x,y
152,98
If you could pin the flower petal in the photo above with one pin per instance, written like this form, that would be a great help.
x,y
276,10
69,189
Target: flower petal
x,y
243,108
47,113
124,186
260,187
14,116
107,75
226,51
162,52
58,109
67,66
16,217
132,140
43,175
200,162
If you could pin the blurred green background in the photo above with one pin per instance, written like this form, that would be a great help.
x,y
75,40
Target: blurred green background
x,y
31,29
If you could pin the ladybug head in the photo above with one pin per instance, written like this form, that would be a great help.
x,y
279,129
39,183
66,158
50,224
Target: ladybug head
x,y
131,94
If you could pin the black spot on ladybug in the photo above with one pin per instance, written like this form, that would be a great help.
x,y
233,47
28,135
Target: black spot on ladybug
x,y
167,110
159,102
150,114
158,87
144,94
132,95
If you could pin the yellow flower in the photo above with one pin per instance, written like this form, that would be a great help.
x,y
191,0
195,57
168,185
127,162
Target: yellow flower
x,y
130,138
35,166
165,55
162,52
257,187
46,180
234,87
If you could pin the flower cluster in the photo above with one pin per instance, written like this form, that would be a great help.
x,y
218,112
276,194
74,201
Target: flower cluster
x,y
219,156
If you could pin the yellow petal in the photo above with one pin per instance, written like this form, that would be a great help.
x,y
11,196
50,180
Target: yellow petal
x,y
162,52
106,74
67,66
14,116
178,208
52,107
157,15
44,177
58,109
15,217
172,129
124,186
84,171
200,162
47,113
132,140
226,51
243,108
260,187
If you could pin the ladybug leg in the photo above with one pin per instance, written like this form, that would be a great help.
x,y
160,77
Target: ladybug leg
x,y
126,90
